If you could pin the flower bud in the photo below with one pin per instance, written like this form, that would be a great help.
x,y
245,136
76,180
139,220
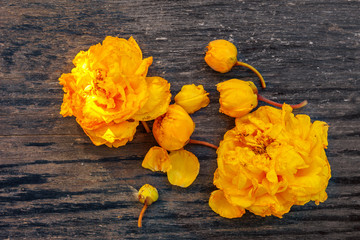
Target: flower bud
x,y
173,129
148,194
192,98
237,97
221,55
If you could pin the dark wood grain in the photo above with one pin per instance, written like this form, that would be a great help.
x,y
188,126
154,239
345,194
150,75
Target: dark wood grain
x,y
54,183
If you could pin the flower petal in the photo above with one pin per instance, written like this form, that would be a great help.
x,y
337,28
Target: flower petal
x,y
221,206
113,134
158,101
157,159
184,169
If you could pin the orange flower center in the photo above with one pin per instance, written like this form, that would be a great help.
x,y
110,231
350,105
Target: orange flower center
x,y
256,142
99,79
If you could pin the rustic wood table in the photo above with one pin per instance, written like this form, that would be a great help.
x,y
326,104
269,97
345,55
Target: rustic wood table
x,y
54,183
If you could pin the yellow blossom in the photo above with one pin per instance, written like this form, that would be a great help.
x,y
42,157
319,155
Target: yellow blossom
x,y
173,129
158,101
157,159
237,97
184,169
221,55
192,98
271,161
147,195
106,88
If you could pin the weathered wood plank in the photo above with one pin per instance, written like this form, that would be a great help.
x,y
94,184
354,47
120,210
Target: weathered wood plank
x,y
55,184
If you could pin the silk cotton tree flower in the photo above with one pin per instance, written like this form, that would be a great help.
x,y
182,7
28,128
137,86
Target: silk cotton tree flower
x,y
108,92
221,56
172,130
147,195
269,162
192,98
238,97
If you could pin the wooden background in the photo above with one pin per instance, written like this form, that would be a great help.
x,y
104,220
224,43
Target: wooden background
x,y
54,183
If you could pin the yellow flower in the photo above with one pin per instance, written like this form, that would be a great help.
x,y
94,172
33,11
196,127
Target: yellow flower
x,y
157,159
271,161
158,101
192,98
106,88
147,195
221,55
173,129
184,169
237,97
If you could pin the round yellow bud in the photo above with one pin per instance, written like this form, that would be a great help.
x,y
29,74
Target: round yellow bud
x,y
237,97
148,194
221,55
192,98
173,129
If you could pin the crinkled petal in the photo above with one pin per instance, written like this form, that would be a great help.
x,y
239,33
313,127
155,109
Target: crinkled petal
x,y
221,206
113,134
157,159
158,101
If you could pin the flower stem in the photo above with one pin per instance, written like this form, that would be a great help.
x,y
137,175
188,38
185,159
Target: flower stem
x,y
263,84
147,129
141,215
192,141
261,98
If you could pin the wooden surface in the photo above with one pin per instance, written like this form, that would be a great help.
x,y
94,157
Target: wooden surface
x,y
54,183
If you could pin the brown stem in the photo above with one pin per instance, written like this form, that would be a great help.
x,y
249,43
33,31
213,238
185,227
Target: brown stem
x,y
263,84
261,98
192,141
147,129
141,215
